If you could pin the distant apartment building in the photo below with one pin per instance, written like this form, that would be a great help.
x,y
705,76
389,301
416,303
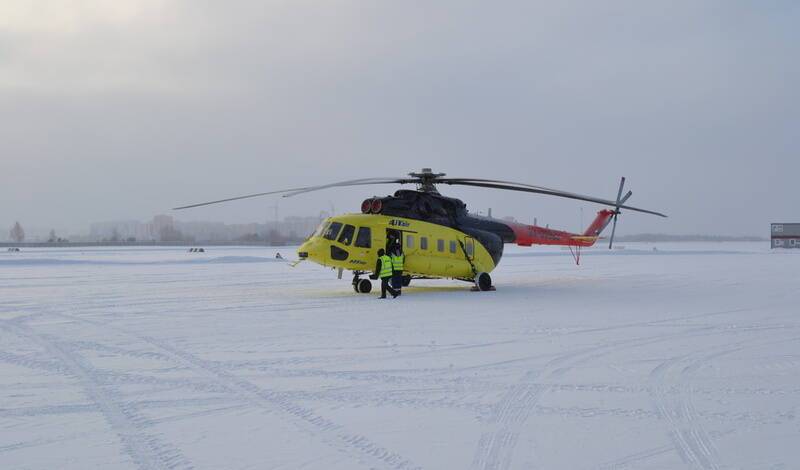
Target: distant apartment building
x,y
786,235
160,228
299,227
166,228
205,231
163,223
122,230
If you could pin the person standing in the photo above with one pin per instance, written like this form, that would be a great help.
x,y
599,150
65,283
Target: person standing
x,y
384,271
398,259
392,241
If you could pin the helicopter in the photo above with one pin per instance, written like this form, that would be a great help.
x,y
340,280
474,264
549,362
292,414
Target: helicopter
x,y
438,235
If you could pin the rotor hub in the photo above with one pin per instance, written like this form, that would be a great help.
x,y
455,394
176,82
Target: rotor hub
x,y
427,180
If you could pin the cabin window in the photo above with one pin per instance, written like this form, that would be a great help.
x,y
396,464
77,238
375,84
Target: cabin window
x,y
470,247
452,246
409,242
364,237
332,231
423,243
347,235
440,245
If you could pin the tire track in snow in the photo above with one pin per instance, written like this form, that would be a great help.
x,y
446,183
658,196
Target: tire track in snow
x,y
642,455
31,363
573,332
692,442
307,420
41,441
272,401
107,378
147,452
688,437
34,411
495,449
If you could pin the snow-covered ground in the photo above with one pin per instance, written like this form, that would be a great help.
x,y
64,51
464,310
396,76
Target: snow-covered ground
x,y
149,358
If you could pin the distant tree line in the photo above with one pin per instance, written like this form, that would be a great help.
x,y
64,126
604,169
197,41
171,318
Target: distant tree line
x,y
663,237
17,233
52,238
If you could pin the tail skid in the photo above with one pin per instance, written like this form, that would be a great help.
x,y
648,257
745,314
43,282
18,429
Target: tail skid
x,y
591,235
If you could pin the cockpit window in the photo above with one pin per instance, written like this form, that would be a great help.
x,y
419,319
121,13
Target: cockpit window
x,y
364,237
321,229
347,234
332,230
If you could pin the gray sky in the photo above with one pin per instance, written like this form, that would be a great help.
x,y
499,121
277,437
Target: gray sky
x,y
121,110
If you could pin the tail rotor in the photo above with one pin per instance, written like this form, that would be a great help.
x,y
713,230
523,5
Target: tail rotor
x,y
620,201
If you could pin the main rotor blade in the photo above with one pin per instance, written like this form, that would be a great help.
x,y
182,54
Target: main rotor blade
x,y
234,199
508,183
304,189
541,190
359,182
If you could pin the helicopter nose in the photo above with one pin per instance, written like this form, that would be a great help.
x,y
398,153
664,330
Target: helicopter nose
x,y
307,250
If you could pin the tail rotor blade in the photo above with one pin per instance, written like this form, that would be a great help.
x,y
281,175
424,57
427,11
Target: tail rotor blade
x,y
620,201
613,230
621,187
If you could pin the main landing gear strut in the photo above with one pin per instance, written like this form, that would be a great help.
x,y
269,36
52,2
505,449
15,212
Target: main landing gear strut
x,y
361,286
483,282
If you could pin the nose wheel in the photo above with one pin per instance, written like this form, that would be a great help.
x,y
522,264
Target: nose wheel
x,y
362,286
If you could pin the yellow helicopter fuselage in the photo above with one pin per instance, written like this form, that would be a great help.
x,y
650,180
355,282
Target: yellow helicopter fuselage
x,y
352,242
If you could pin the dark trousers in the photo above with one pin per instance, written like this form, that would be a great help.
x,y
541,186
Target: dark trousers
x,y
397,281
386,286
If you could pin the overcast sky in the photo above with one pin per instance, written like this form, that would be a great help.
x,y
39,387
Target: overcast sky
x,y
124,109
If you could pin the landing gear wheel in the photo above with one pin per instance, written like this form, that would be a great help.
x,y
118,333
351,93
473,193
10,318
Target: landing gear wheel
x,y
406,281
483,282
362,286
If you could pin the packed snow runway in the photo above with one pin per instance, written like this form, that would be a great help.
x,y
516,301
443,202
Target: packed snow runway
x,y
150,358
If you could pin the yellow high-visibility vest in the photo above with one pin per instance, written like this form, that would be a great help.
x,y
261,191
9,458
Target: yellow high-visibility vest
x,y
397,262
386,267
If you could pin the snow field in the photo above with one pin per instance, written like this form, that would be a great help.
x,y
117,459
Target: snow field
x,y
150,358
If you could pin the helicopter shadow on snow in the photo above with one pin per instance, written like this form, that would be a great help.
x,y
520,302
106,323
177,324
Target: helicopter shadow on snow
x,y
567,286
